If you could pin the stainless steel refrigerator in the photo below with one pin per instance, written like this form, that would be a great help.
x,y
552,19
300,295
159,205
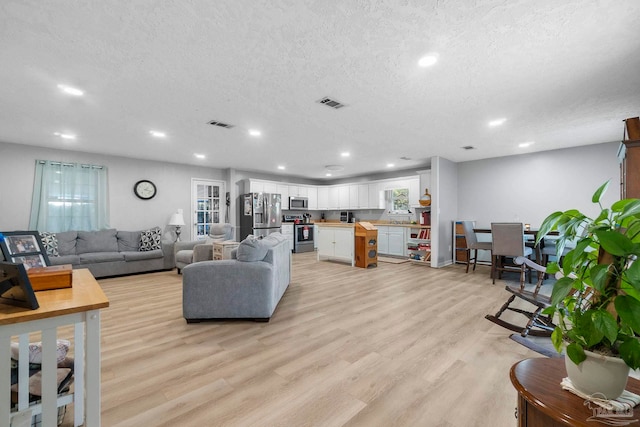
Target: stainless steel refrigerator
x,y
260,214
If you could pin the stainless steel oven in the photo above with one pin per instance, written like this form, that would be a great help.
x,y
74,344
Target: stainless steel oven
x,y
303,235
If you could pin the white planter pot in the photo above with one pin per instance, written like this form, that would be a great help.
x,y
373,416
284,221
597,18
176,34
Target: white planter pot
x,y
598,374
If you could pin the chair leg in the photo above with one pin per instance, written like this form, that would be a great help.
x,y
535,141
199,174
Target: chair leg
x,y
494,261
475,259
468,259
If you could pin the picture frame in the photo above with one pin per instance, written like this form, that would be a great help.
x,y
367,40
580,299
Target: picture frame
x,y
15,286
24,247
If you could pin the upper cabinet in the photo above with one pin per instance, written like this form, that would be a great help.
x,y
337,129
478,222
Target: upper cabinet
x,y
369,195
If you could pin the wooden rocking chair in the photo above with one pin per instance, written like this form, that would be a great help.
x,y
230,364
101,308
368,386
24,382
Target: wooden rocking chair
x,y
543,323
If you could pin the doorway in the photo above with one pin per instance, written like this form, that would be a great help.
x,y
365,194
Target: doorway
x,y
208,201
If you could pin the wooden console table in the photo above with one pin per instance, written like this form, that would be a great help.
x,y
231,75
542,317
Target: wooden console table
x,y
543,403
79,306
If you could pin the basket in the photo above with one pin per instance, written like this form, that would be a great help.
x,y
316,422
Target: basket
x,y
426,199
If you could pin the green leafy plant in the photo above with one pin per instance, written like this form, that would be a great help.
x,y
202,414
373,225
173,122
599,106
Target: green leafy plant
x,y
597,299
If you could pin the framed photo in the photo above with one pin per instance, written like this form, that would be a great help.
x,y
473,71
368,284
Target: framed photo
x,y
24,247
15,287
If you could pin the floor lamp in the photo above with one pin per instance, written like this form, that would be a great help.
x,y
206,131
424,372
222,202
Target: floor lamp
x,y
177,220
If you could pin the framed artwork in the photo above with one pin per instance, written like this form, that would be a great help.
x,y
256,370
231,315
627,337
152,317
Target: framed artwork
x,y
24,247
15,287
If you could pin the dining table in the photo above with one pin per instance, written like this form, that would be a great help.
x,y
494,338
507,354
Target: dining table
x,y
528,231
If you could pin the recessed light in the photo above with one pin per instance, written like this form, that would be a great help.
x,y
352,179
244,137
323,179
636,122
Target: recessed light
x,y
71,90
254,132
200,156
327,174
64,135
428,60
390,165
526,144
281,167
157,134
497,122
345,154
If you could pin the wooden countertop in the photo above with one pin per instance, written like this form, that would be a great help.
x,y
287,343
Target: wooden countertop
x,y
352,224
84,295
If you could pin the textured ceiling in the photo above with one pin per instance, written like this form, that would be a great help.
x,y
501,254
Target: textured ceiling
x,y
563,73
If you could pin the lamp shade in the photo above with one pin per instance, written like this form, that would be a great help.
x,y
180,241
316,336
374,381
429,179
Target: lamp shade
x,y
176,219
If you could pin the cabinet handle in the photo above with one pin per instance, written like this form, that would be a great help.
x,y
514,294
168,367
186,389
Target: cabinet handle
x,y
515,413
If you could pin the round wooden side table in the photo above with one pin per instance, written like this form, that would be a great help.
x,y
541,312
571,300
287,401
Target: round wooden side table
x,y
543,403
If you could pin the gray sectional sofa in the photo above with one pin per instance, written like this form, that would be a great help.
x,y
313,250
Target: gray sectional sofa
x,y
246,287
111,252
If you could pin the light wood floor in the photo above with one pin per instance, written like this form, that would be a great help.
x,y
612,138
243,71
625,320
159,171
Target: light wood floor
x,y
396,345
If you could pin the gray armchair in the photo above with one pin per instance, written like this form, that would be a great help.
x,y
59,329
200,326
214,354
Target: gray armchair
x,y
201,250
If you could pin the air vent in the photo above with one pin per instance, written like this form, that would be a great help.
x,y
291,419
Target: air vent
x,y
331,103
405,158
220,124
468,147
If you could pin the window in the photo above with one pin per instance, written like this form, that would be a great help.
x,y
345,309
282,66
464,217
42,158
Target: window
x,y
69,196
400,199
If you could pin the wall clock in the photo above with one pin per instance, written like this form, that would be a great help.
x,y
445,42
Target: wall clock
x,y
145,189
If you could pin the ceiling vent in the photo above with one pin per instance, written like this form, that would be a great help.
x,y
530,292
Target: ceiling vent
x,y
220,124
468,147
331,103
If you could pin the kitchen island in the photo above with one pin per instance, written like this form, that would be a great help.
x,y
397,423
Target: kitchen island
x,y
336,240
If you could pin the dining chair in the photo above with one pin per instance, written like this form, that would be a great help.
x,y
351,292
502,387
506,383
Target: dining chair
x,y
508,242
473,244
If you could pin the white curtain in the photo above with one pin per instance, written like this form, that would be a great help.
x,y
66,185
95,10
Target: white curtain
x,y
69,196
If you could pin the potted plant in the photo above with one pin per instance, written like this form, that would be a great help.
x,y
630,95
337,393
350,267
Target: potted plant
x,y
597,299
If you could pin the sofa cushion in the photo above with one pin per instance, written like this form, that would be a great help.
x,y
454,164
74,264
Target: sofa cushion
x,y
64,259
94,257
251,249
50,243
140,255
97,241
128,241
67,242
150,239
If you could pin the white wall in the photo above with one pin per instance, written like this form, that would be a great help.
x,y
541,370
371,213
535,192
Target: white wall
x,y
444,209
127,212
527,188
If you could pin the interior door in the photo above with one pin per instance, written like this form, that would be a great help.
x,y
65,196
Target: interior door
x,y
208,206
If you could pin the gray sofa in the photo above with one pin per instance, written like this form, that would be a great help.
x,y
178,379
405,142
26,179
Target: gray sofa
x,y
246,287
111,252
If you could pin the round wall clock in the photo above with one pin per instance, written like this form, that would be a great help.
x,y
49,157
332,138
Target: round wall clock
x,y
145,189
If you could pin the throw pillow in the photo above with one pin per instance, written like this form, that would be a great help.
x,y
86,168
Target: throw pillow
x,y
150,239
35,351
251,249
50,243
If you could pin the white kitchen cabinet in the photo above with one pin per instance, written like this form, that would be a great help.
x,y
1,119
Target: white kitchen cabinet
x,y
391,240
315,236
303,191
283,190
293,191
374,196
312,194
363,196
323,198
270,187
334,197
287,232
414,191
343,194
336,243
353,196
256,186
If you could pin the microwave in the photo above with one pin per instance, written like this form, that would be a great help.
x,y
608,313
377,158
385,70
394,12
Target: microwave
x,y
298,203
